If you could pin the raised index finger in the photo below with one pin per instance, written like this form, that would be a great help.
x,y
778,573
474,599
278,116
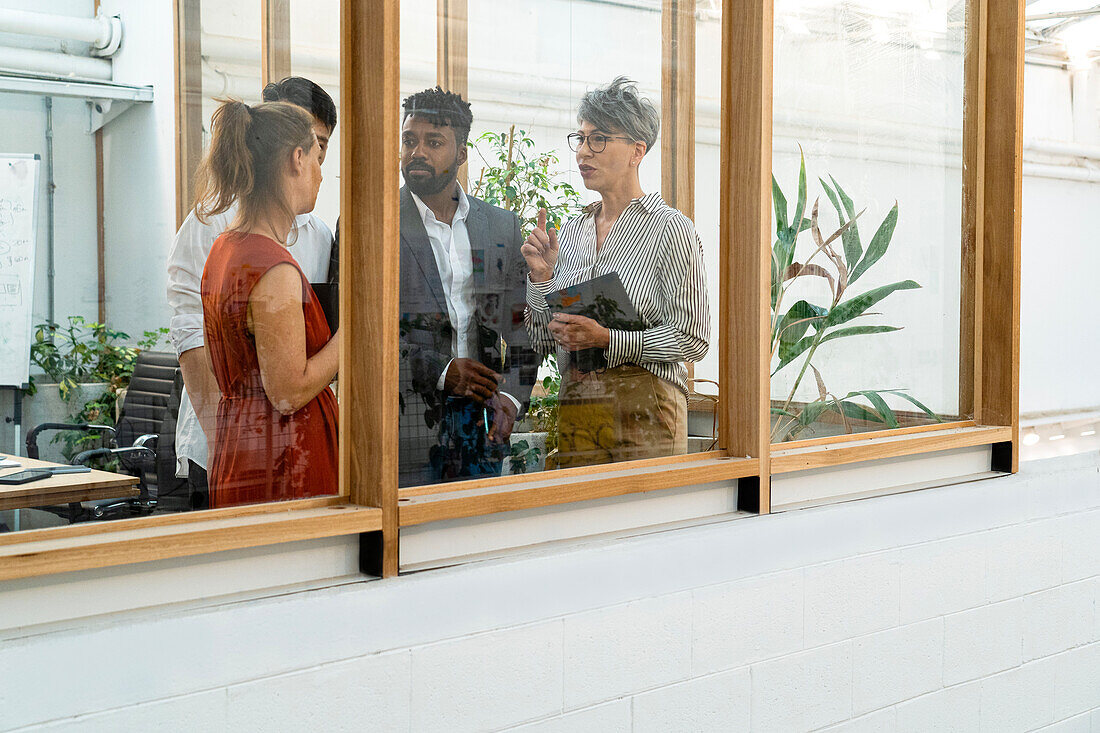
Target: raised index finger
x,y
542,220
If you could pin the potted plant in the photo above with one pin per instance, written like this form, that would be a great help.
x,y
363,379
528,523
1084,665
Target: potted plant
x,y
800,329
86,368
517,178
535,444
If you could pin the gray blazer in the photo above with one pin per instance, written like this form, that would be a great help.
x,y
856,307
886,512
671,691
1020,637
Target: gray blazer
x,y
498,333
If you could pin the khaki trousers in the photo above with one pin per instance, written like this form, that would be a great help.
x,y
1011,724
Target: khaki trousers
x,y
621,414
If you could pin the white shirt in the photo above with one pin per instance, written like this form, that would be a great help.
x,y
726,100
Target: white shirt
x,y
186,261
451,249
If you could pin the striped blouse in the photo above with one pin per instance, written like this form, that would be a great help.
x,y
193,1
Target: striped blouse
x,y
659,258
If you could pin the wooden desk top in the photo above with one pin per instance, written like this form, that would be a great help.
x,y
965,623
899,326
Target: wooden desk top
x,y
62,489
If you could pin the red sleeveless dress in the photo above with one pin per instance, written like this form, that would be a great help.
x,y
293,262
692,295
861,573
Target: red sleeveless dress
x,y
261,455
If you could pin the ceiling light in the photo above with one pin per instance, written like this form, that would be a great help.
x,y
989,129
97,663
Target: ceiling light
x,y
1031,438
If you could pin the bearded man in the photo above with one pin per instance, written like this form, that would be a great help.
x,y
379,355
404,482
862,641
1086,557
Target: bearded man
x,y
466,367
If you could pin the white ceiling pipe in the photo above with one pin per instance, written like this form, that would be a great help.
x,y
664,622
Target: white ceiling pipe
x,y
1062,172
1069,150
246,52
103,32
57,64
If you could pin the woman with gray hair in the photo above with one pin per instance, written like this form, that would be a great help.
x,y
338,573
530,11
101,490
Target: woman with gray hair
x,y
623,394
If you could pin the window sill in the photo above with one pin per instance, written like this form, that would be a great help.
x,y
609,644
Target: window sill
x,y
549,489
876,446
81,547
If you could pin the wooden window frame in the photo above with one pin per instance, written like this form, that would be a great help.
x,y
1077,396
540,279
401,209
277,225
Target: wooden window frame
x,y
369,501
990,272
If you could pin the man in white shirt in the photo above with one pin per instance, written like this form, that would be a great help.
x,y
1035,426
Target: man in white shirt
x,y
466,367
199,402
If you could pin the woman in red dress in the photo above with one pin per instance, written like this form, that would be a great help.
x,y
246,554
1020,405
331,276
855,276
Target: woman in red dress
x,y
269,345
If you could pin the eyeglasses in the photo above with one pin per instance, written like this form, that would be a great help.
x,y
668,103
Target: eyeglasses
x,y
597,141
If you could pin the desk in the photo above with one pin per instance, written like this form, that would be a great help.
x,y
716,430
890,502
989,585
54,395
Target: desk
x,y
62,489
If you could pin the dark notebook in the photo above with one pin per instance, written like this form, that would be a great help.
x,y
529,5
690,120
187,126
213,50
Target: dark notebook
x,y
604,300
329,295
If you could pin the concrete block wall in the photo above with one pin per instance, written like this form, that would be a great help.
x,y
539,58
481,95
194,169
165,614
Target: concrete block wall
x,y
967,608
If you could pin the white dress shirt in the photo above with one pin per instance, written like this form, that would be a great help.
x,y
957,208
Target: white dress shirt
x,y
451,249
186,261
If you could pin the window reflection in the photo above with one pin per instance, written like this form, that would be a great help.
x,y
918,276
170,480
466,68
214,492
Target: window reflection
x,y
257,419
520,307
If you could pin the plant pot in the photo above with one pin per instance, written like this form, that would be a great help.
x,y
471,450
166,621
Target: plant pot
x,y
46,405
534,440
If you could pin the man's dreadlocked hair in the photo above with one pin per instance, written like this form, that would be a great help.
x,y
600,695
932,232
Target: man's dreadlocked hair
x,y
443,109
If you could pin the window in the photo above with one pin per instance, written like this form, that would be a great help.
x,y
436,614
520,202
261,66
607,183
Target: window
x,y
867,142
731,141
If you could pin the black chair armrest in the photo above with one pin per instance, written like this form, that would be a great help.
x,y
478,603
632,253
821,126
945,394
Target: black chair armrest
x,y
137,451
143,441
32,436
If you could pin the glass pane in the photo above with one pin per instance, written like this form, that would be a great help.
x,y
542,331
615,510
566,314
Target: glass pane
x,y
250,417
315,55
589,360
868,97
702,422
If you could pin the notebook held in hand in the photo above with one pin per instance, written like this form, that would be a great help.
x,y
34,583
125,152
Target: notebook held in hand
x,y
604,300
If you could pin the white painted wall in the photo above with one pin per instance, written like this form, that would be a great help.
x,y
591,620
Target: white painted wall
x,y
972,606
23,130
139,172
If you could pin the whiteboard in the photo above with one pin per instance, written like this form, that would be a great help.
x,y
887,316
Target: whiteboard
x,y
18,227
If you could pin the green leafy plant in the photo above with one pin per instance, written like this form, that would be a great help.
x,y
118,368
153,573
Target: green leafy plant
x,y
542,414
802,328
516,178
524,456
82,352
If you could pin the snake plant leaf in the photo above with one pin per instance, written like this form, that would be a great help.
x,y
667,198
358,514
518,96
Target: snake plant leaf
x,y
857,411
795,323
800,207
793,352
857,306
805,225
877,248
786,356
834,406
920,405
777,284
832,198
812,411
853,248
780,203
821,391
797,270
880,405
857,331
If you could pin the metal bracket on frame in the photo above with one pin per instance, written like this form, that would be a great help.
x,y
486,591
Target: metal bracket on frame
x,y
102,111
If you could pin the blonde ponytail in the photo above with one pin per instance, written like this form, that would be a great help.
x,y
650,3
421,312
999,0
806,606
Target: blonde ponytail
x,y
248,150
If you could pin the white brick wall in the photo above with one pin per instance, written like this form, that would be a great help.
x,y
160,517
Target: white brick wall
x,y
967,608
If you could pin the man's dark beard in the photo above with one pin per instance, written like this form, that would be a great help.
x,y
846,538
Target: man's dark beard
x,y
433,184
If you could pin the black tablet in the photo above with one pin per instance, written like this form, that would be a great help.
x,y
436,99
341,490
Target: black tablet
x,y
25,477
